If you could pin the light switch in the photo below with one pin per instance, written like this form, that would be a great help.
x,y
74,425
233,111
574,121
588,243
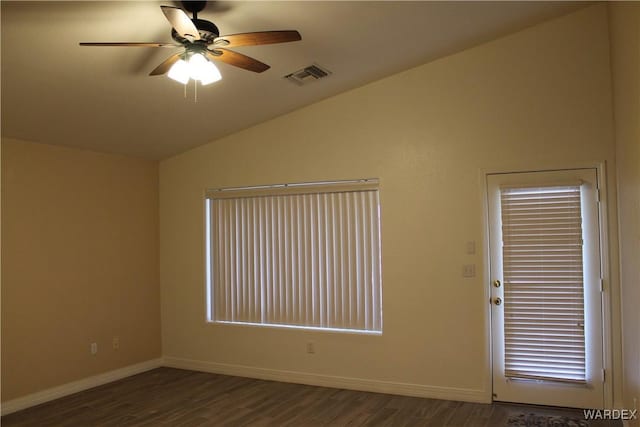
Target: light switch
x,y
469,270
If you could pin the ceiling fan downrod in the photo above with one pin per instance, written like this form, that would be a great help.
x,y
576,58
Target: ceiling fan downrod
x,y
194,7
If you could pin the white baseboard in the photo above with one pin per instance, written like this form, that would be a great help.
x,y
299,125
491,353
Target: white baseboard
x,y
390,387
76,386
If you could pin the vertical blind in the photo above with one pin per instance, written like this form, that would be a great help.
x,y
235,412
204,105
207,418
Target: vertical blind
x,y
308,257
543,283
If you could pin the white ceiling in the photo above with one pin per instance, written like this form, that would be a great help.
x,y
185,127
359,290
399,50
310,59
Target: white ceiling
x,y
101,98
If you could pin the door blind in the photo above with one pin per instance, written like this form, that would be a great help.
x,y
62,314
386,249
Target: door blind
x,y
543,283
308,260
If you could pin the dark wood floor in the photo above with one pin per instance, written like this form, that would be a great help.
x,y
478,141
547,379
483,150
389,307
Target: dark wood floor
x,y
174,397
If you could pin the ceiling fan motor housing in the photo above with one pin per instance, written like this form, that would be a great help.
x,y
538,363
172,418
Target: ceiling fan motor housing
x,y
208,31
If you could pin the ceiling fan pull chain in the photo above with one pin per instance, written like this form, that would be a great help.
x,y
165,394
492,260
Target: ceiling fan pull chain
x,y
195,91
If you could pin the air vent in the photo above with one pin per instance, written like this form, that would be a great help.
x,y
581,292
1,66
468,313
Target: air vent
x,y
308,74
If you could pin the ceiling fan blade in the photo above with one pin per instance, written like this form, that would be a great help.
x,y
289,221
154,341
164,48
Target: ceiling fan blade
x,y
164,67
181,22
132,44
237,59
261,37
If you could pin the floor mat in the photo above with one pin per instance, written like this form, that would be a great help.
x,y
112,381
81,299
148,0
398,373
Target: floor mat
x,y
534,420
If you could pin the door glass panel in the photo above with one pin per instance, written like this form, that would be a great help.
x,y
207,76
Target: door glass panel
x,y
543,283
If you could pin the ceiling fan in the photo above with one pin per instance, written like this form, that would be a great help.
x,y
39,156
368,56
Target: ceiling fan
x,y
202,43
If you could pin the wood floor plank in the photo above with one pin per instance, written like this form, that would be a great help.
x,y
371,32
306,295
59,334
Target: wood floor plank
x,y
168,397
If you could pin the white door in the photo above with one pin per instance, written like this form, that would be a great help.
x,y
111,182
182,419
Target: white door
x,y
546,299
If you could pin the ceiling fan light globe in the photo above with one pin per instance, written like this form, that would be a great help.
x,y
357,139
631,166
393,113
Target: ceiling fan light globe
x,y
211,74
180,72
197,66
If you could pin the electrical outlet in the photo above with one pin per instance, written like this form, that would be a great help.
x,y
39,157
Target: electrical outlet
x,y
311,348
116,343
471,247
94,348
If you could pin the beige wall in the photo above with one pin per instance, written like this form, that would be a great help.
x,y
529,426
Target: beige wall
x,y
625,58
79,264
537,99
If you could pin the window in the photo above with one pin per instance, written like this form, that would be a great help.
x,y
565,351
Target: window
x,y
298,255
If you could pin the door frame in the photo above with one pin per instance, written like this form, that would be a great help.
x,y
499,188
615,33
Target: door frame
x,y
610,283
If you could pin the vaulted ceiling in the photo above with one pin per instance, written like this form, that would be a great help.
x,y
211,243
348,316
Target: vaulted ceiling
x,y
101,98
